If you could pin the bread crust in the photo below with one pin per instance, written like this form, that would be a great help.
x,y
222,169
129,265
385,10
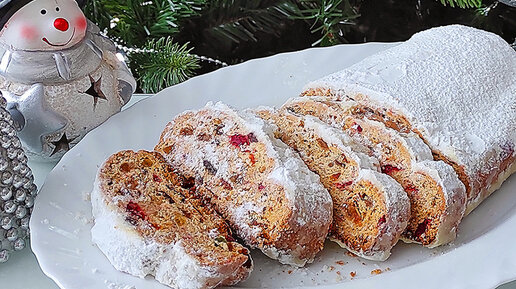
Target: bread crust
x,y
147,224
261,186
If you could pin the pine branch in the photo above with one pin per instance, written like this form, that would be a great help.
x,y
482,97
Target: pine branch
x,y
330,18
137,21
240,20
463,3
167,63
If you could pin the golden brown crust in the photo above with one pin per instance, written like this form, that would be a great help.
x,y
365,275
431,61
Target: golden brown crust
x,y
428,201
148,192
359,206
233,165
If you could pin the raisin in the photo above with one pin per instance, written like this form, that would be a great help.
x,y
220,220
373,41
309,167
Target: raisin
x,y
388,169
167,149
186,131
343,186
209,167
381,221
335,177
225,184
147,162
131,221
252,137
322,143
203,137
156,178
188,183
421,228
261,187
411,190
135,210
125,167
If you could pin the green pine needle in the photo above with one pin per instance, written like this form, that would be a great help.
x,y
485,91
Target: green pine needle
x,y
136,21
463,3
167,65
240,20
329,18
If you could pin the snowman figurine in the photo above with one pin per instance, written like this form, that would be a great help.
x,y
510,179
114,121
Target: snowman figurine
x,y
60,77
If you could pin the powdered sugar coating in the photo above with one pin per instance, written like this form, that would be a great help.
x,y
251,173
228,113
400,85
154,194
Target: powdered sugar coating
x,y
344,142
129,252
396,219
454,195
392,194
309,202
396,200
456,86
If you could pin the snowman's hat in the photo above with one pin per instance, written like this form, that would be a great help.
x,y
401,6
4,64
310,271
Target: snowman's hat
x,y
9,7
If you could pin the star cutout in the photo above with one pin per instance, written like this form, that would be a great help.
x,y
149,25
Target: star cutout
x,y
37,118
63,144
96,91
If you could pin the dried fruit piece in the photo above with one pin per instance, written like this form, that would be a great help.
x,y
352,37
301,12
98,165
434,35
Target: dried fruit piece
x,y
125,167
322,144
135,210
147,162
239,139
156,178
388,169
421,228
335,177
251,157
381,220
209,167
343,186
186,131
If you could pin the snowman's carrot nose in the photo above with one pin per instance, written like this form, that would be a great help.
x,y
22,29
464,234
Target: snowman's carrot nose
x,y
61,24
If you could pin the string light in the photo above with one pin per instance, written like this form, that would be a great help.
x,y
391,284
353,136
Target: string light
x,y
130,50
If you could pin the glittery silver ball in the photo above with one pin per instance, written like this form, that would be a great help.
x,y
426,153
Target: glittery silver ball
x,y
17,190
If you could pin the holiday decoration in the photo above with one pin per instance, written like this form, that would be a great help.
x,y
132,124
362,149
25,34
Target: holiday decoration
x,y
17,190
60,77
160,37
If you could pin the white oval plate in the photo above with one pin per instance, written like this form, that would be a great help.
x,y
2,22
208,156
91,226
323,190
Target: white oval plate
x,y
483,256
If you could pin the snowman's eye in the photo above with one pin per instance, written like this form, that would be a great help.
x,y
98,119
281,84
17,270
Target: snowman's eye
x,y
57,9
43,11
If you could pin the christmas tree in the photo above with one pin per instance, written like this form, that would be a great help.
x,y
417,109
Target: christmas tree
x,y
168,41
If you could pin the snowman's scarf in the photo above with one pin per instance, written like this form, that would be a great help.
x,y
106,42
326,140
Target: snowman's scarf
x,y
54,67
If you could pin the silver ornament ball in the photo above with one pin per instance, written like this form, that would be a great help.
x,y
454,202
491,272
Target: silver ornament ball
x,y
17,190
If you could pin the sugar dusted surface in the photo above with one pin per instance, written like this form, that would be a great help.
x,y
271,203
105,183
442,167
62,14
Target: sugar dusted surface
x,y
457,86
343,141
398,208
131,253
395,198
454,195
308,200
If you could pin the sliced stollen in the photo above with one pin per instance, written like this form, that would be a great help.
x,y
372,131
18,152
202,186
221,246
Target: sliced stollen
x,y
146,224
261,186
437,196
469,123
370,209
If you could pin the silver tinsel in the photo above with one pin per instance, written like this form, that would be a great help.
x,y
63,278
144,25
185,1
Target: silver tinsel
x,y
17,190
